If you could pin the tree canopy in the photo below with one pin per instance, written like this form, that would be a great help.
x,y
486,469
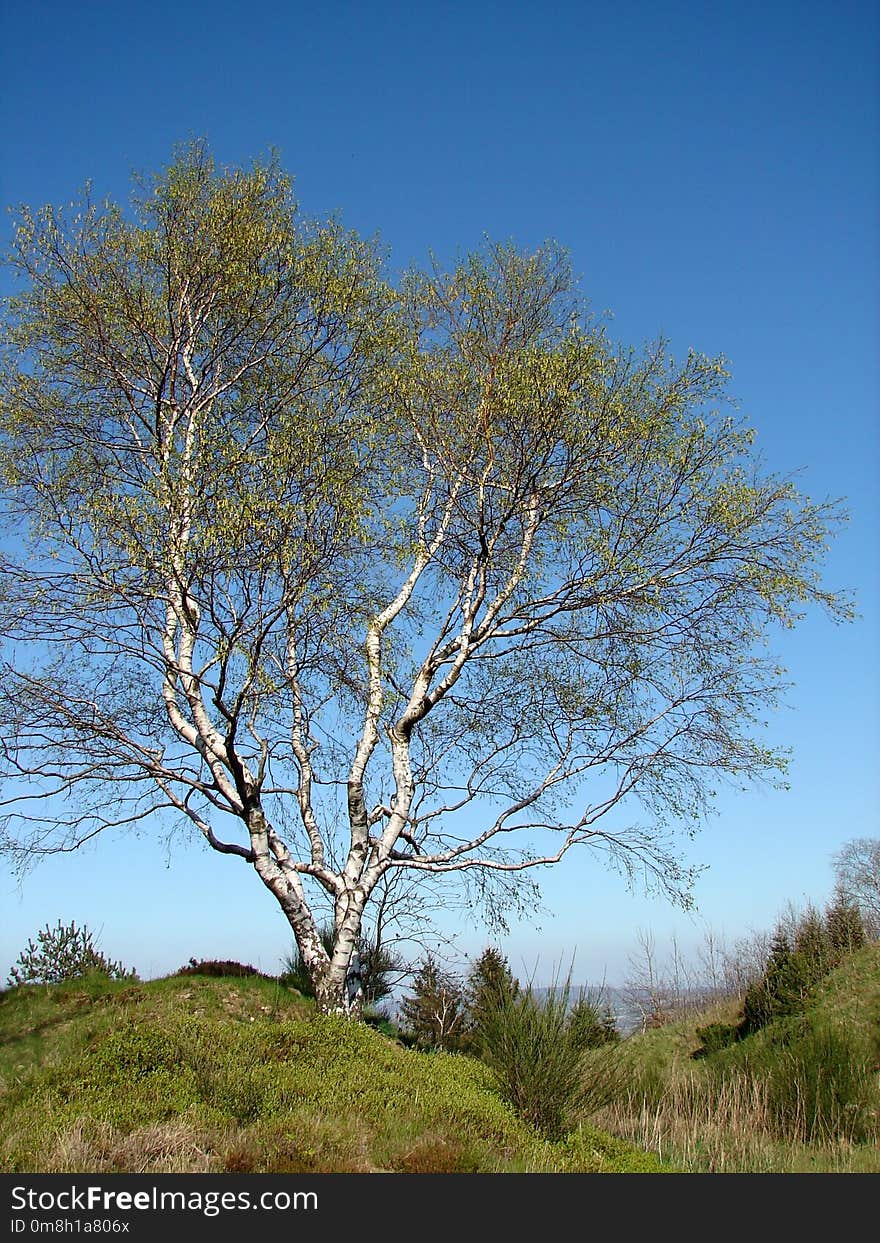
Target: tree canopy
x,y
361,577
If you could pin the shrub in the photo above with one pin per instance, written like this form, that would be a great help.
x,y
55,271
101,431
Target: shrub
x,y
219,967
617,1157
64,952
378,967
381,1021
817,1079
535,1045
377,964
821,1087
715,1036
295,975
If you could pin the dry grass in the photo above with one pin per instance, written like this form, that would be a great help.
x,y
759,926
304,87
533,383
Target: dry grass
x,y
735,1133
175,1147
731,1131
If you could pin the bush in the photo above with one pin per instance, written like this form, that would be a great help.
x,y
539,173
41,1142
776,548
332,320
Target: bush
x,y
64,952
535,1045
295,975
822,1087
715,1036
218,967
817,1078
490,983
377,965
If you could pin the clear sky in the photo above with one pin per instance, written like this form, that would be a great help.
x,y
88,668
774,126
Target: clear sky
x,y
713,169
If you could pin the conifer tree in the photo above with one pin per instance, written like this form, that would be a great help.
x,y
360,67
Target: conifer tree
x,y
434,1012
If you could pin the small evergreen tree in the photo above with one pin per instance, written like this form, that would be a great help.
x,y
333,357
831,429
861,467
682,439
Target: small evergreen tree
x,y
591,1025
762,1002
812,946
489,983
797,963
434,1013
64,952
844,927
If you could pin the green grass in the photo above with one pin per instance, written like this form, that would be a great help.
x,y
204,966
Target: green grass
x,y
802,1094
241,1075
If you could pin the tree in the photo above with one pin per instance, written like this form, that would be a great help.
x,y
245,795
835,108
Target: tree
x,y
63,953
360,579
857,871
434,1012
844,928
489,980
778,992
805,948
591,1023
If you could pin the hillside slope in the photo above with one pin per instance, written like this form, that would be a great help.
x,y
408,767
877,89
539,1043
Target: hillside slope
x,y
800,1094
240,1075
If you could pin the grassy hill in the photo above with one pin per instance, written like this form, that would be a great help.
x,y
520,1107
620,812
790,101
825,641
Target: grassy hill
x,y
192,1073
200,1074
801,1094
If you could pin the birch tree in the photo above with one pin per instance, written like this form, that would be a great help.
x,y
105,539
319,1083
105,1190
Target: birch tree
x,y
427,580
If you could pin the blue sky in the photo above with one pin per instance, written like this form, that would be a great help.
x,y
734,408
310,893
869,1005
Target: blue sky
x,y
713,169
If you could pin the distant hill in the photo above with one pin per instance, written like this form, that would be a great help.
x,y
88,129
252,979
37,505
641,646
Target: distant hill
x,y
624,1005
